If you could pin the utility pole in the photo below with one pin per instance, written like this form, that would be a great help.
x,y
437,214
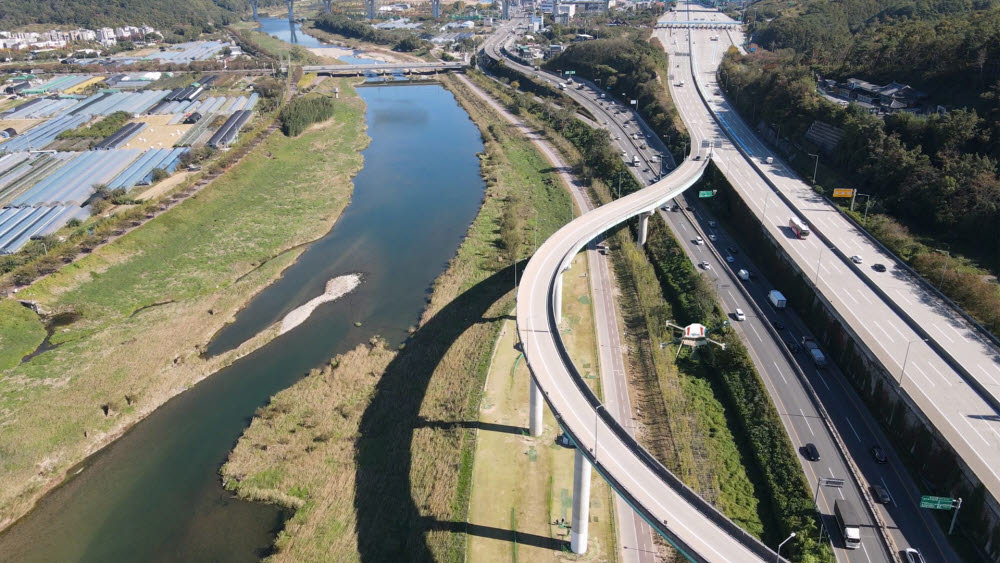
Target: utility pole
x,y
815,166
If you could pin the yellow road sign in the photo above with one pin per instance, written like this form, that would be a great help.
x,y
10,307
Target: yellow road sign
x,y
843,192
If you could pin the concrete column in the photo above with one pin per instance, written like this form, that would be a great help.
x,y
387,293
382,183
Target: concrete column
x,y
643,228
534,408
558,299
581,503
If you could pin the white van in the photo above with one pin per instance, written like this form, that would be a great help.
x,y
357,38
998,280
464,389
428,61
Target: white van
x,y
740,316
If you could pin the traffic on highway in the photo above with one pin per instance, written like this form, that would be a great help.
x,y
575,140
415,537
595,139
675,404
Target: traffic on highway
x,y
850,437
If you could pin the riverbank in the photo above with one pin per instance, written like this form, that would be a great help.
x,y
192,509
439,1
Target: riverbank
x,y
149,301
387,476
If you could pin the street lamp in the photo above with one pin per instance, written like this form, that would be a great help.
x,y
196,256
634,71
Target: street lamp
x,y
815,166
778,557
906,357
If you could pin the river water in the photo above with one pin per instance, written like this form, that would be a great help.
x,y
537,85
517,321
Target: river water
x,y
291,32
155,494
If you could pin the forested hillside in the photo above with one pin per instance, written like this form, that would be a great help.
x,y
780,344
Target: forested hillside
x,y
161,14
942,47
935,176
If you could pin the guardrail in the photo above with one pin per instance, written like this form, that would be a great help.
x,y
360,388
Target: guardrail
x,y
810,391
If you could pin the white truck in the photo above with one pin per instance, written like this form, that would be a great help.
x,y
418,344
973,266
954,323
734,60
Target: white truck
x,y
744,275
848,522
635,160
562,85
817,355
777,299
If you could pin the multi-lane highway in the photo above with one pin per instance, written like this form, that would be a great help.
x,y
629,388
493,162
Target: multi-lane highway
x,y
805,425
961,414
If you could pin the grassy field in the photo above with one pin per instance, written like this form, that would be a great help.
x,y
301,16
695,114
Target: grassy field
x,y
151,299
392,481
20,332
522,485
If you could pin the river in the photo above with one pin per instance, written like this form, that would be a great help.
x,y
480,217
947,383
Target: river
x,y
155,494
291,32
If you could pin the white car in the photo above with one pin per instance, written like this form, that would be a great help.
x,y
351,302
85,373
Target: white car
x,y
740,315
730,259
698,240
857,259
705,265
713,238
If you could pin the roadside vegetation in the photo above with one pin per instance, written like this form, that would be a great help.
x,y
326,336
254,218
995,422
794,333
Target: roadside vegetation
x,y
148,301
933,180
20,332
389,477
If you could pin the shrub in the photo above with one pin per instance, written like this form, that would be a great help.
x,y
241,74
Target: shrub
x,y
301,112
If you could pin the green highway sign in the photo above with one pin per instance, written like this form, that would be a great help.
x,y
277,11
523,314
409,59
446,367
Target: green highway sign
x,y
706,193
569,72
937,503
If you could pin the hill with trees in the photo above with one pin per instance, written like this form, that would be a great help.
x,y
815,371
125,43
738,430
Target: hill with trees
x,y
161,14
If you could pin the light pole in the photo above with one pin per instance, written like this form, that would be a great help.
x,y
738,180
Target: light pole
x,y
778,556
816,281
815,166
906,357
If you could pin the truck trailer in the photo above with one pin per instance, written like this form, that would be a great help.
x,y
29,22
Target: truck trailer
x,y
848,522
777,299
817,355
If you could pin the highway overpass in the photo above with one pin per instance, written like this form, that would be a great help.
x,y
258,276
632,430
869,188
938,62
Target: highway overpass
x,y
691,524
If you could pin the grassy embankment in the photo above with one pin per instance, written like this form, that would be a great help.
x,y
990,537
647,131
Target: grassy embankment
x,y
683,421
150,299
521,485
376,453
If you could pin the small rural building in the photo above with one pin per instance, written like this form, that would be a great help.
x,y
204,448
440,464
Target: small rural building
x,y
194,117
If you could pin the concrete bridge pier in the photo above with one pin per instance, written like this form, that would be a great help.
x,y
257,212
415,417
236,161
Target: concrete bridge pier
x,y
643,228
534,408
581,503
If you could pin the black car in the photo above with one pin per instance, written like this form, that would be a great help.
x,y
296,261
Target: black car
x,y
880,494
777,325
810,452
793,345
733,250
878,267
878,454
697,157
689,208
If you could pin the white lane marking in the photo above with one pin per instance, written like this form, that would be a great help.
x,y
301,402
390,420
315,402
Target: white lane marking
x,y
865,297
809,426
903,297
865,549
883,331
852,429
779,373
891,497
899,332
755,332
945,379
966,419
916,366
988,374
943,333
847,293
822,379
960,335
